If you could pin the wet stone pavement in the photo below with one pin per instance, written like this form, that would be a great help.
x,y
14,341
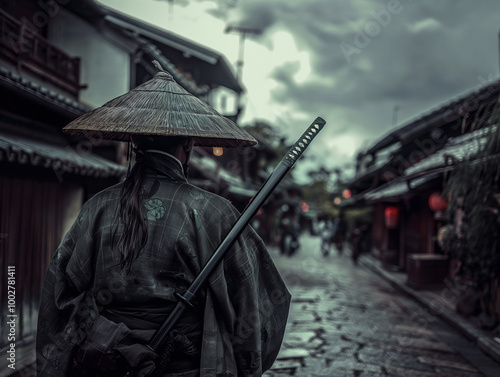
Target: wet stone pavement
x,y
345,320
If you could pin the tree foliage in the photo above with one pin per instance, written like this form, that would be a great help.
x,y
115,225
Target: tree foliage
x,y
471,188
317,193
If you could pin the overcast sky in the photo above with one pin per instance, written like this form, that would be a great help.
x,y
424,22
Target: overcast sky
x,y
350,62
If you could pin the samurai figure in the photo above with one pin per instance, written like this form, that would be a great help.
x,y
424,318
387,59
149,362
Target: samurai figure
x,y
114,277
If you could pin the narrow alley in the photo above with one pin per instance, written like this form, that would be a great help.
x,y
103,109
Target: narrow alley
x,y
346,320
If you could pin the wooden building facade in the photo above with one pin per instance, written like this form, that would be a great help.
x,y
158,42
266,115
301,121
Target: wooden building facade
x,y
58,60
402,178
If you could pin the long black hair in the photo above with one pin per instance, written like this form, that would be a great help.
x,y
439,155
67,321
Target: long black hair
x,y
131,214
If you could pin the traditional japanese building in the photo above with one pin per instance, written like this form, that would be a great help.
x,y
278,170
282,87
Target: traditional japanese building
x,y
58,60
402,178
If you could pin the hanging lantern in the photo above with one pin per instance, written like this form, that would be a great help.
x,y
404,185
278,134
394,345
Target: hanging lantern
x,y
391,217
436,202
346,194
218,151
304,206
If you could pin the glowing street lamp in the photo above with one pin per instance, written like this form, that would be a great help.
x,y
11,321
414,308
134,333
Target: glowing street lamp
x,y
218,151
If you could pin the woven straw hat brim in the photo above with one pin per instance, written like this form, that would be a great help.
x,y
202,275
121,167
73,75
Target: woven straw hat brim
x,y
160,107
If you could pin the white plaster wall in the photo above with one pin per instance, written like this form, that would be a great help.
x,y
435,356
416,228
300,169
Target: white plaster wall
x,y
224,100
105,67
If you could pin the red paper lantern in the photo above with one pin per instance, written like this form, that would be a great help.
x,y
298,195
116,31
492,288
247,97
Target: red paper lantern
x,y
436,202
346,194
391,217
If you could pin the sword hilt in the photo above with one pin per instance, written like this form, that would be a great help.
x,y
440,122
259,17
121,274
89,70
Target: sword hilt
x,y
303,142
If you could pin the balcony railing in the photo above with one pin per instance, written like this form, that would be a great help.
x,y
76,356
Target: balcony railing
x,y
30,51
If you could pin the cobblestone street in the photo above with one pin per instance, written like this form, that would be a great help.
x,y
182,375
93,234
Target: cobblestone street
x,y
346,320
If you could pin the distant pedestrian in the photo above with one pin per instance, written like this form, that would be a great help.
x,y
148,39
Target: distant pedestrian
x,y
289,231
327,229
358,240
340,232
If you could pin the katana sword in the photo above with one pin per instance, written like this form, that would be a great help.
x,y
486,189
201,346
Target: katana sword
x,y
162,334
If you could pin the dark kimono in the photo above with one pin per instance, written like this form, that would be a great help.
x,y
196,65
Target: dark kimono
x,y
91,310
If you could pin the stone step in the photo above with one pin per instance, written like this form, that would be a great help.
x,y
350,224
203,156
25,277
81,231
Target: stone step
x,y
292,353
286,364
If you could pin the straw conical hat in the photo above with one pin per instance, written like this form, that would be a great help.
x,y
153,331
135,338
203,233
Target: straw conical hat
x,y
162,107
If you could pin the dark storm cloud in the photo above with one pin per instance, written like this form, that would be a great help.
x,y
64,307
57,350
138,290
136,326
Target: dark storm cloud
x,y
368,56
259,16
412,53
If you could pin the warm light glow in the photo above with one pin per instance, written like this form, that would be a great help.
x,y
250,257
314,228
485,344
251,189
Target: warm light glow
x,y
391,217
304,206
436,202
218,151
346,194
336,201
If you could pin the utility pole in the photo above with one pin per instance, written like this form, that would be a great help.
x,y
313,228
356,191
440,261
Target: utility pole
x,y
395,112
243,32
170,8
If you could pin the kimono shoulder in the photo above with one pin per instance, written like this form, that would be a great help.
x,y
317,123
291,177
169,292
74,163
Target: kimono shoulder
x,y
212,207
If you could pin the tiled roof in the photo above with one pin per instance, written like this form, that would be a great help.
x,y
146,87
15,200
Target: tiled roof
x,y
468,108
396,188
62,160
215,64
8,77
456,149
442,114
155,52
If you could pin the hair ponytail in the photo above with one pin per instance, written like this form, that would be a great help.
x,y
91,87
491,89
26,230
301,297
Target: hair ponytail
x,y
131,216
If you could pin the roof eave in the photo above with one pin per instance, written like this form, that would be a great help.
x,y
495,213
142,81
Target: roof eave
x,y
189,48
445,114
